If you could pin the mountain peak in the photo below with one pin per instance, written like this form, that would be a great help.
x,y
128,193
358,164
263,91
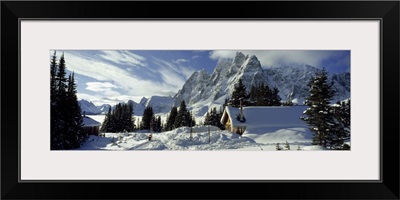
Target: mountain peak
x,y
239,59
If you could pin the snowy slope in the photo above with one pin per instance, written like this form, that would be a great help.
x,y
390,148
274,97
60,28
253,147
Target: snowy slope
x,y
200,139
257,136
104,108
88,107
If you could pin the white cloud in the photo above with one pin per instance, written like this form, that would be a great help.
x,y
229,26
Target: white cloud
x,y
195,56
113,82
124,57
173,75
100,86
277,57
180,61
99,100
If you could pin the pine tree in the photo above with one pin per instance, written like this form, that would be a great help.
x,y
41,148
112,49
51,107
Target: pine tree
x,y
147,117
275,98
238,94
183,118
159,124
66,120
153,124
106,122
53,73
287,146
76,135
341,131
319,115
278,147
120,119
253,95
170,124
214,118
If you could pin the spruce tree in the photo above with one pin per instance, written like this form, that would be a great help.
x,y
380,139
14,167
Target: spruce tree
x,y
341,131
53,73
184,117
76,134
319,116
106,122
66,120
287,146
253,95
275,98
147,117
214,118
170,124
238,94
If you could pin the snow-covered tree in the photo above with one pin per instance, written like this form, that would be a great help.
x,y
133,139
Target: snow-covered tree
x,y
319,116
287,146
183,117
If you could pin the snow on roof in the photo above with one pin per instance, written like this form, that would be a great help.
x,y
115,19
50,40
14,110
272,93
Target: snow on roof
x,y
87,121
259,117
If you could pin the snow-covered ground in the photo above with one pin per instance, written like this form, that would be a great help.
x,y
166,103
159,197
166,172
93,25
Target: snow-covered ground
x,y
202,139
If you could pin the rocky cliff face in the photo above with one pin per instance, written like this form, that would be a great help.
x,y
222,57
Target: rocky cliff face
x,y
204,90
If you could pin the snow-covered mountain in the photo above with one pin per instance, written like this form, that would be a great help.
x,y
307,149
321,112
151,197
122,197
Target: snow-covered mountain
x,y
160,104
203,91
104,108
88,107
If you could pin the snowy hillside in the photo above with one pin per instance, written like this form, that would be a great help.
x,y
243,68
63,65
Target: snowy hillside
x,y
181,139
88,107
203,91
258,136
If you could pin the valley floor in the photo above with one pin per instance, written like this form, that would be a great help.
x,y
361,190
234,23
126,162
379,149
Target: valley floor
x,y
202,139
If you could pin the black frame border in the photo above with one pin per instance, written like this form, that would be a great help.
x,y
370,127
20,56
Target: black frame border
x,y
386,11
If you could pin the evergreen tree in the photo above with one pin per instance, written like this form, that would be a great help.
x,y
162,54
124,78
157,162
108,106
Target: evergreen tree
x,y
253,95
120,119
183,118
53,73
170,124
278,147
238,94
159,124
147,117
66,120
287,146
73,118
153,124
275,98
341,131
319,116
60,79
105,127
214,118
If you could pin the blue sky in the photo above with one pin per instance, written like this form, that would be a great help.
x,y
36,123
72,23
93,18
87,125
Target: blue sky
x,y
111,76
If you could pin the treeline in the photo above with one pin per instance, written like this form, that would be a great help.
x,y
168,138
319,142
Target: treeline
x,y
330,124
259,95
214,118
120,119
179,117
66,128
